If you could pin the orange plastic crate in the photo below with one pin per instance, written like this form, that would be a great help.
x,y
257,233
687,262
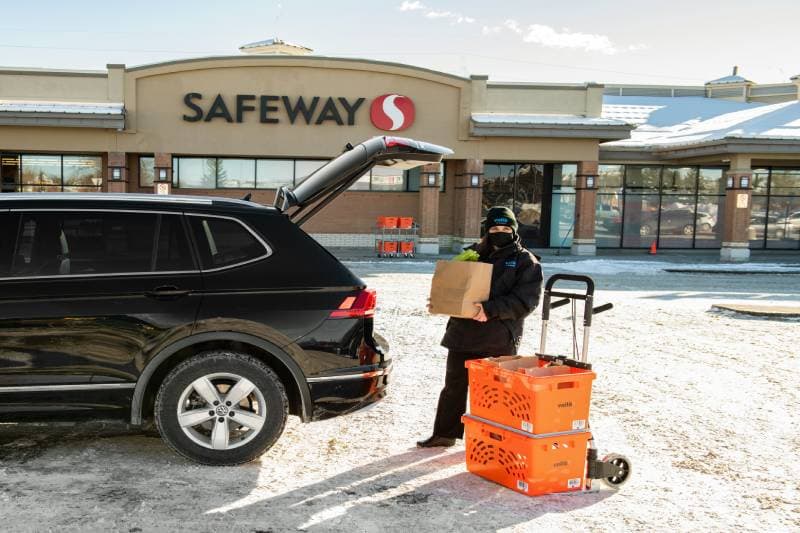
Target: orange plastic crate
x,y
529,464
405,222
387,222
407,247
553,402
389,247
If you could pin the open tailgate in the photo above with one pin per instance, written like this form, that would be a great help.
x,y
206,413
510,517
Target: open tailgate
x,y
308,197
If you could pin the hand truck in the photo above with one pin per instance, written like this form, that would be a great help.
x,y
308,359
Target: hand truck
x,y
613,469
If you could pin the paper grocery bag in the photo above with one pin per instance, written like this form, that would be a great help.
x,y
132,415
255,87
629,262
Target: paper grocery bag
x,y
457,285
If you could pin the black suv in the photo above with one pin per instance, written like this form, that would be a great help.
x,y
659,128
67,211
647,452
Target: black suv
x,y
214,318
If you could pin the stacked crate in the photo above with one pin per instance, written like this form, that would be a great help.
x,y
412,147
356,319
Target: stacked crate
x,y
528,424
395,236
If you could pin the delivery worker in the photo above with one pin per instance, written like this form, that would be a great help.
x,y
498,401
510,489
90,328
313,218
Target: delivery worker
x,y
496,328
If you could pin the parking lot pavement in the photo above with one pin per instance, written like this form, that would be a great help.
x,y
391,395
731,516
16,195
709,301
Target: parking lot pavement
x,y
705,404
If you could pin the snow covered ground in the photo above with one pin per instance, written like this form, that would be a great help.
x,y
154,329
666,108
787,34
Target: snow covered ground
x,y
704,404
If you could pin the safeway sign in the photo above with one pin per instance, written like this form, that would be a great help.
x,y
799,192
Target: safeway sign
x,y
388,112
392,112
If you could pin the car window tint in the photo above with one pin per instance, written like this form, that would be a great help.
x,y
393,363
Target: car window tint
x,y
223,242
63,243
173,252
7,235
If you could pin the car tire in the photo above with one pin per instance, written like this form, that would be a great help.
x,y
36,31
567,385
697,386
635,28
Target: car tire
x,y
645,230
198,390
688,229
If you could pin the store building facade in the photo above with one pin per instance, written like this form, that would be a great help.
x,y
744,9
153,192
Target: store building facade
x,y
572,168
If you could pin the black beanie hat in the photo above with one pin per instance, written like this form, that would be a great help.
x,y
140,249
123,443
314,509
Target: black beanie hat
x,y
500,216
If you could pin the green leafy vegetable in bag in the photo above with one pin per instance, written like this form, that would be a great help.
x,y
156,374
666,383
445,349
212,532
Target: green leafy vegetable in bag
x,y
467,255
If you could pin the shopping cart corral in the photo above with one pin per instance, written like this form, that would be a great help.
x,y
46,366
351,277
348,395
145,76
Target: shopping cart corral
x,y
395,236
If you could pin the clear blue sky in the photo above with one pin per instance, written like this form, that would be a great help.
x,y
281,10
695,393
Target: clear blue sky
x,y
675,42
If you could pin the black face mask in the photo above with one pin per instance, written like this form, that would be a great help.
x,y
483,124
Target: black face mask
x,y
500,239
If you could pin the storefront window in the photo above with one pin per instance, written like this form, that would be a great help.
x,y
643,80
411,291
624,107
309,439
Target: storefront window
x,y
387,179
757,230
783,224
640,220
711,181
562,216
361,184
412,178
498,186
784,182
236,173
608,206
274,173
196,172
83,173
41,173
642,177
760,183
305,167
146,171
679,180
564,177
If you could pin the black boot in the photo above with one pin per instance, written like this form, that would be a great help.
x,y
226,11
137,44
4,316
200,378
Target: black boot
x,y
435,441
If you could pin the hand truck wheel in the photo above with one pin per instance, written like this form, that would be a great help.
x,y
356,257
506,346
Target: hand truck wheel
x,y
622,473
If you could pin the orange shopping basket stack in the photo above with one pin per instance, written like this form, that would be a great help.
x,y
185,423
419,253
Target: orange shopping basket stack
x,y
528,427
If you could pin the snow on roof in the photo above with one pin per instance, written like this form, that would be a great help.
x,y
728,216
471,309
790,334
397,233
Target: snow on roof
x,y
78,108
665,122
527,119
271,42
728,79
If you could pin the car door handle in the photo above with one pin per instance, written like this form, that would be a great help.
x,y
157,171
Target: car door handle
x,y
167,292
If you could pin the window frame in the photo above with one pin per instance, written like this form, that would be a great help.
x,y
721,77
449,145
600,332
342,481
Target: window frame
x,y
267,247
195,259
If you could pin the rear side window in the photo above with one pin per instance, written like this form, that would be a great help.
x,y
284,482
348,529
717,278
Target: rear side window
x,y
86,243
224,242
7,235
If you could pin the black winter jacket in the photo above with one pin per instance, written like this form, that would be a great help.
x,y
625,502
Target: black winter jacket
x,y
515,292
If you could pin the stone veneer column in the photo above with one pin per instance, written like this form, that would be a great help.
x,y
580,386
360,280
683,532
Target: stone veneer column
x,y
429,181
162,161
116,160
467,205
736,217
583,241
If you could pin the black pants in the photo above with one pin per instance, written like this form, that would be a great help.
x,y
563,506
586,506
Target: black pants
x,y
453,398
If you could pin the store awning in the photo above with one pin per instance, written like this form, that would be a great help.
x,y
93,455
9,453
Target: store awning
x,y
62,114
532,125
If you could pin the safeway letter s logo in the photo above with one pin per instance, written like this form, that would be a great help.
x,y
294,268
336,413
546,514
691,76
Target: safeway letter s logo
x,y
392,112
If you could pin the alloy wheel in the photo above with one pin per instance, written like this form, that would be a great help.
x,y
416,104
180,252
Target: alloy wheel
x,y
221,411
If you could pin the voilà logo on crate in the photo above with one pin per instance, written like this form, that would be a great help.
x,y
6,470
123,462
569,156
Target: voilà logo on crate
x,y
521,485
574,483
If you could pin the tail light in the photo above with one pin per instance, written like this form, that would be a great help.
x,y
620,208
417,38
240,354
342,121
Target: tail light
x,y
362,305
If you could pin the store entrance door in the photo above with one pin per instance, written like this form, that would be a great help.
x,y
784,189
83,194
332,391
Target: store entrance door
x,y
520,187
9,172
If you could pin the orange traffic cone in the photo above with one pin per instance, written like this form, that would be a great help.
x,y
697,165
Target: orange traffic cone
x,y
653,248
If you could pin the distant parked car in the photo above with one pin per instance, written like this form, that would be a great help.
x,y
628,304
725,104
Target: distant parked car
x,y
790,224
679,222
774,228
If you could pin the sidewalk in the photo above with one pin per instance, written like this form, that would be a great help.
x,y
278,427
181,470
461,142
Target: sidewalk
x,y
786,258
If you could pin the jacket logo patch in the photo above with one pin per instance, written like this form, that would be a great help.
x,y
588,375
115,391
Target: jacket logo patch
x,y
512,263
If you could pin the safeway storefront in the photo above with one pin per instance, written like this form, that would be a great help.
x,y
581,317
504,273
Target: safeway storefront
x,y
249,124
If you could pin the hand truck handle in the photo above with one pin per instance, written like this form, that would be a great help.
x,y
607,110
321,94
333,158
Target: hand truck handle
x,y
571,277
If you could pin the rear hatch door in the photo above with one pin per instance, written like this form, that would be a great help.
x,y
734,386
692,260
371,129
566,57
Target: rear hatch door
x,y
308,197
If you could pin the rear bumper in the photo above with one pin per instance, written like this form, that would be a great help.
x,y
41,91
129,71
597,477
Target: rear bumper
x,y
345,391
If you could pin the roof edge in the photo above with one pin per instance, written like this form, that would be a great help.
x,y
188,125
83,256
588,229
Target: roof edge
x,y
267,58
